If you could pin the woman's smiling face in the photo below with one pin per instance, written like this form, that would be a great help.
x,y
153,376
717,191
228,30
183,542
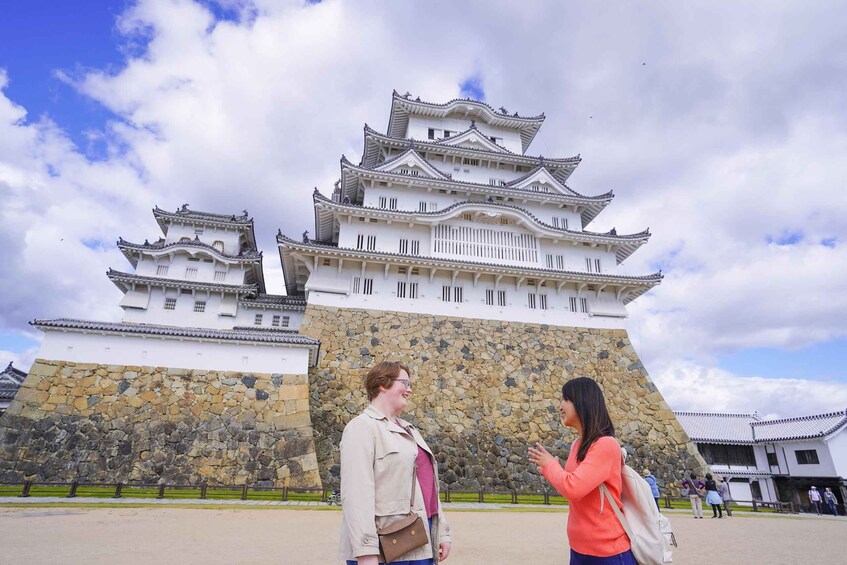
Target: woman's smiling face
x,y
397,395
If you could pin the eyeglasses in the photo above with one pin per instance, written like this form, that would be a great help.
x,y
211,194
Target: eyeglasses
x,y
406,382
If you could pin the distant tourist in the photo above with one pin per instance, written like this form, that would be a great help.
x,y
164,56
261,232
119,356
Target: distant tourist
x,y
380,455
815,499
723,490
654,486
692,487
594,532
831,501
713,499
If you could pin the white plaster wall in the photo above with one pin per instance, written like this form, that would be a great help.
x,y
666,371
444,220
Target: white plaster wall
x,y
419,129
231,238
206,267
429,301
825,468
247,317
838,451
186,354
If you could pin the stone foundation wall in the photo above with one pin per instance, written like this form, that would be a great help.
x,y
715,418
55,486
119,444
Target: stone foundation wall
x,y
148,424
485,390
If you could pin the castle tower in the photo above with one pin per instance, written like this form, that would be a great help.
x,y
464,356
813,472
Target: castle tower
x,y
448,247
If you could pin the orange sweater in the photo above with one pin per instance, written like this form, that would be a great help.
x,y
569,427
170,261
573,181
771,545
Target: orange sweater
x,y
590,531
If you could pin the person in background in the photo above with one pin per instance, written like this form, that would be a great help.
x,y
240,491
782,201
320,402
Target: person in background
x,y
815,499
723,490
831,501
654,486
595,534
694,486
713,499
379,455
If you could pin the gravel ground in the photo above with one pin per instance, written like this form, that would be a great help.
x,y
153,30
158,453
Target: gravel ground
x,y
166,535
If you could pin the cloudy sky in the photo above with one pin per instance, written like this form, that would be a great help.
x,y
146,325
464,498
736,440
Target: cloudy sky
x,y
720,126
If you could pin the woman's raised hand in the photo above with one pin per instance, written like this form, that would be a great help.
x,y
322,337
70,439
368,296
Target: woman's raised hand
x,y
539,455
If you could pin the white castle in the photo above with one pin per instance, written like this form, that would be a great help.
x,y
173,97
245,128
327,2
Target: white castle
x,y
445,214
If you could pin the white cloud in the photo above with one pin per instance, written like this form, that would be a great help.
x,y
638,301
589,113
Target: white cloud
x,y
715,132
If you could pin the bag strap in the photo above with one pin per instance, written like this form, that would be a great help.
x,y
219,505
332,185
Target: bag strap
x,y
605,491
412,497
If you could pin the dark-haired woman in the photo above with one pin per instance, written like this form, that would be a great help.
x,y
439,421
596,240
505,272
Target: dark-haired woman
x,y
594,532
712,497
380,453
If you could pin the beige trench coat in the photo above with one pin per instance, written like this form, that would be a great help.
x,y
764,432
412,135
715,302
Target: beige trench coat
x,y
377,462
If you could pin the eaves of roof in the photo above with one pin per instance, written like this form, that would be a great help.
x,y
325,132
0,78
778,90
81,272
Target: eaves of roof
x,y
119,278
627,244
128,247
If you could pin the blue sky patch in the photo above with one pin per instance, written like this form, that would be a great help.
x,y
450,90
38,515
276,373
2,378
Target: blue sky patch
x,y
822,362
14,341
472,88
829,242
785,238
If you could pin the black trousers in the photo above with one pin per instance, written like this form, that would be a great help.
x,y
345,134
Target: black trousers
x,y
716,510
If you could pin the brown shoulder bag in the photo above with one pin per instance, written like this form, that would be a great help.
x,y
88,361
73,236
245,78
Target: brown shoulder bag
x,y
404,534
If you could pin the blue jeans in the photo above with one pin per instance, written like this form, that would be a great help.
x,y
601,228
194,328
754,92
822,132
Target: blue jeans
x,y
624,558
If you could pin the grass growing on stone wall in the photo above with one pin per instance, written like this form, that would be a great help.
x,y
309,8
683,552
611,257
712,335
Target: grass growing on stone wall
x,y
212,493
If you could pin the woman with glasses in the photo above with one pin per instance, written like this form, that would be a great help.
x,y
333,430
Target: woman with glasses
x,y
380,453
594,533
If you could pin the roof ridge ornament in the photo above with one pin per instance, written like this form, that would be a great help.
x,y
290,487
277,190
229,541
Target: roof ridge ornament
x,y
306,236
503,110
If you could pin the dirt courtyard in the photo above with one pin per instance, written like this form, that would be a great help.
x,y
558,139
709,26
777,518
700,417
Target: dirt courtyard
x,y
168,535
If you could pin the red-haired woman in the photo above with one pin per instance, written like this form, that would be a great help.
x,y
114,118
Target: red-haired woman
x,y
379,455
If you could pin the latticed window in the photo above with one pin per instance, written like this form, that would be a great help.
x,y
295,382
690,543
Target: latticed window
x,y
368,287
275,321
162,270
561,223
257,320
501,298
285,321
199,305
219,245
572,301
170,303
484,243
530,300
220,276
191,273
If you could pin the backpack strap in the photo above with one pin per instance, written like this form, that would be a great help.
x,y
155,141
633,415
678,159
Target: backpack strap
x,y
605,492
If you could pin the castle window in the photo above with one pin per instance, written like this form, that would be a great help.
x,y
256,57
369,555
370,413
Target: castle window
x,y
416,271
382,201
421,206
285,321
220,276
583,305
469,161
194,259
401,289
170,303
257,320
413,290
572,301
219,245
501,298
592,265
357,283
542,301
447,133
373,220
489,298
162,270
433,206
430,134
275,321
452,293
198,231
392,203
410,172
467,216
368,287
371,243
402,270
199,305
561,223
530,303
327,262
807,457
191,273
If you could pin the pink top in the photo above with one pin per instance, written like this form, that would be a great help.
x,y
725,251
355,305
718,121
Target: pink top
x,y
426,478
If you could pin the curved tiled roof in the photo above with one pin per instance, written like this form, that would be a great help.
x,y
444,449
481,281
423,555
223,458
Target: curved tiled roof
x,y
249,334
275,301
804,427
119,278
10,382
246,256
462,185
625,242
716,427
402,106
185,214
567,164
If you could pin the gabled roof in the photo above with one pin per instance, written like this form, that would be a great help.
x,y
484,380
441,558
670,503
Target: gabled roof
x,y
472,138
10,382
374,140
411,159
350,187
403,106
715,427
186,215
631,287
132,250
541,175
247,334
125,281
326,209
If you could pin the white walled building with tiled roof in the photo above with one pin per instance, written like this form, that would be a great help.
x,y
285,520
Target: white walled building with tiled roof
x,y
195,300
773,459
445,214
10,381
